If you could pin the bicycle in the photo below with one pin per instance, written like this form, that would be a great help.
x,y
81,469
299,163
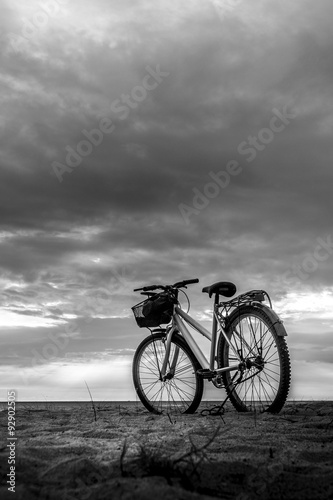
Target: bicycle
x,y
249,356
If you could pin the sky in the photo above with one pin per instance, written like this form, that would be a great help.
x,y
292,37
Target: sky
x,y
150,141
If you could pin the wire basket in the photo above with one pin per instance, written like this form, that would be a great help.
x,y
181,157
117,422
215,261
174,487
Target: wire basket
x,y
154,311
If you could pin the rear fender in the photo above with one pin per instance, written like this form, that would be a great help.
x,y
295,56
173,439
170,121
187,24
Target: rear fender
x,y
277,322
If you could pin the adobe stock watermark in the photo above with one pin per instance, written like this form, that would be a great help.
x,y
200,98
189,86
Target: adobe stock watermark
x,y
277,124
218,181
224,7
95,136
39,20
221,179
311,262
12,439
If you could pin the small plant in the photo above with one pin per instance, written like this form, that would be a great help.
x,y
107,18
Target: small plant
x,y
153,463
92,402
122,456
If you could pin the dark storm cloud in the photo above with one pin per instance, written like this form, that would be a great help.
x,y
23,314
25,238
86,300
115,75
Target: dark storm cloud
x,y
117,213
198,102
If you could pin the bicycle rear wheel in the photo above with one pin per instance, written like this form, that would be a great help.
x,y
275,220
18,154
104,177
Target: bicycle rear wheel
x,y
265,381
181,390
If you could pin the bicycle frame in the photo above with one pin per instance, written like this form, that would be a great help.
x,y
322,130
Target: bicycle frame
x,y
178,324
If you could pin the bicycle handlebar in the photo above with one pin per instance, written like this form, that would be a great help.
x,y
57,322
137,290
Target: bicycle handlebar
x,y
179,284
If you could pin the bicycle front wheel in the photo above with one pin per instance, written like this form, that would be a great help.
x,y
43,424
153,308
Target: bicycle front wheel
x,y
180,391
265,380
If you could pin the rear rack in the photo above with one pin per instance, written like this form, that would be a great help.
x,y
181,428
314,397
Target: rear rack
x,y
244,299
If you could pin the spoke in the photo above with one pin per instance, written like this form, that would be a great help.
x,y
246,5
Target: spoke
x,y
253,337
251,329
275,380
264,389
189,394
150,370
267,359
157,393
270,369
151,358
168,390
175,393
182,398
273,359
246,390
191,383
153,385
185,368
251,350
268,349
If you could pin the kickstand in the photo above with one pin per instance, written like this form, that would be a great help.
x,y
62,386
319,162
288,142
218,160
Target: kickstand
x,y
218,410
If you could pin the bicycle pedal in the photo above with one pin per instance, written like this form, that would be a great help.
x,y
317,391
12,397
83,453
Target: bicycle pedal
x,y
218,382
206,373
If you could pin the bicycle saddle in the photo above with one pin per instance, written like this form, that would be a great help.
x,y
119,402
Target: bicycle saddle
x,y
225,288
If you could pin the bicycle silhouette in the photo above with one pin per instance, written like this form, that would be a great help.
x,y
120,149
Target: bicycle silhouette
x,y
248,356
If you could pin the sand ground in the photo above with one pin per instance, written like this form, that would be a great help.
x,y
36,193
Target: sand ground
x,y
128,453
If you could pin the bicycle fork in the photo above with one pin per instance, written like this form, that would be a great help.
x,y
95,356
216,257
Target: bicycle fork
x,y
165,373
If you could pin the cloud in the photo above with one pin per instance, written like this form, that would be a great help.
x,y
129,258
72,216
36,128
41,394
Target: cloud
x,y
114,222
108,379
311,381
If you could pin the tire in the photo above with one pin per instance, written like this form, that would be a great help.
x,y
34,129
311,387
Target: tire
x,y
266,377
181,392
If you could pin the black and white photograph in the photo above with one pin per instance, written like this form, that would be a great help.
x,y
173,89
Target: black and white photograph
x,y
166,249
